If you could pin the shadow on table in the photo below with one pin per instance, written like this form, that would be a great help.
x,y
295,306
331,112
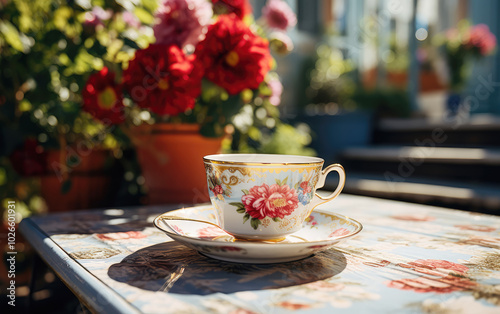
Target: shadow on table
x,y
172,267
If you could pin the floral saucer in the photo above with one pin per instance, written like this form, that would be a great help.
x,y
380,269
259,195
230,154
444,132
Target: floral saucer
x,y
196,227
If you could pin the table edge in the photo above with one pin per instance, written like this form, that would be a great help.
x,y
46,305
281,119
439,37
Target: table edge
x,y
94,293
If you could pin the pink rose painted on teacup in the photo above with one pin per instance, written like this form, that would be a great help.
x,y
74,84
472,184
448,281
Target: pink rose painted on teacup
x,y
275,201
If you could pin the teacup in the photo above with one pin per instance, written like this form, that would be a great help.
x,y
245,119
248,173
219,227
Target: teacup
x,y
266,197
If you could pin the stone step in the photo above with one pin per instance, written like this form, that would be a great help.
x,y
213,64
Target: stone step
x,y
476,131
478,197
479,165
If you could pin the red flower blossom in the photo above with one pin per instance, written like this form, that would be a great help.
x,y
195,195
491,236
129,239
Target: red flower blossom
x,y
240,8
102,97
218,190
234,57
163,79
440,285
447,277
424,265
30,159
306,188
481,37
270,201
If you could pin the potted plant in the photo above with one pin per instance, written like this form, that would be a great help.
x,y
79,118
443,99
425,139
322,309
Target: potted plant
x,y
47,50
461,45
208,69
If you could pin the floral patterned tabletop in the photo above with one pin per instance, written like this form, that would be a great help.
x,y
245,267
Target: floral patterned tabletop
x,y
408,258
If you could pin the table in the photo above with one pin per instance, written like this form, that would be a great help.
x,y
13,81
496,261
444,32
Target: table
x,y
409,258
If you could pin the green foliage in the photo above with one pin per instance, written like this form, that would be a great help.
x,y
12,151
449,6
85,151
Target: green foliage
x,y
388,102
287,139
47,53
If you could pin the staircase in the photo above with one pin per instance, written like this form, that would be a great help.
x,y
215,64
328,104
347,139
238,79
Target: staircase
x,y
454,164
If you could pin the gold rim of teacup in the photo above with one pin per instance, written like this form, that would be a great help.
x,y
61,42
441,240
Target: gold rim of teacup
x,y
318,161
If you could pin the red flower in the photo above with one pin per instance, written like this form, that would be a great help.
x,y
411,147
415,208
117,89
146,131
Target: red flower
x,y
270,201
427,266
438,285
163,79
240,8
483,39
305,187
218,190
447,277
30,159
102,97
234,57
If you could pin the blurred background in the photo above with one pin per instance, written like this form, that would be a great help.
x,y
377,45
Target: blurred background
x,y
405,94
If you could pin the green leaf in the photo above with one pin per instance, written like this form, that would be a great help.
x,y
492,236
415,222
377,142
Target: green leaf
x,y
144,16
241,210
246,217
278,182
276,219
254,222
11,35
238,205
245,191
285,181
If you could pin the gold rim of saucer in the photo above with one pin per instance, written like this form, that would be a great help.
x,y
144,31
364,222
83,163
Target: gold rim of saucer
x,y
357,224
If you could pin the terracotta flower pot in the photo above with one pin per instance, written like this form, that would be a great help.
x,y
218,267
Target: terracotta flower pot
x,y
92,184
171,158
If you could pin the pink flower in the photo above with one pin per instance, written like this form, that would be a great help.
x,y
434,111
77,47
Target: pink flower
x,y
278,15
426,265
102,14
270,201
218,190
130,19
437,285
482,38
339,232
182,22
447,277
211,232
276,90
97,16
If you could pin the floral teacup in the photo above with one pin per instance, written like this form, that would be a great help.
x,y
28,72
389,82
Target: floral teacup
x,y
266,197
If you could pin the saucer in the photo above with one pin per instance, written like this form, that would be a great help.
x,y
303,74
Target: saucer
x,y
196,227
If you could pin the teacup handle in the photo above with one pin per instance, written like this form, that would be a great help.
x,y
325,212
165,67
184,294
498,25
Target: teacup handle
x,y
318,199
